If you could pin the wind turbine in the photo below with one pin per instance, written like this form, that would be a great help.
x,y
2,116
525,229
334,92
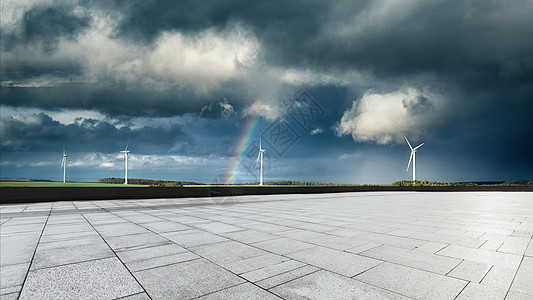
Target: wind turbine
x,y
260,156
64,165
412,157
126,151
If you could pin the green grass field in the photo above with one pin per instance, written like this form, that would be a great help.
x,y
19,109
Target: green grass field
x,y
61,184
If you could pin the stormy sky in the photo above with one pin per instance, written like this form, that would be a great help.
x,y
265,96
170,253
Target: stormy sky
x,y
332,87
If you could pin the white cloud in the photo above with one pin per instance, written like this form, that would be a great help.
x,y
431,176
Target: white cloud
x,y
266,110
387,118
316,131
227,109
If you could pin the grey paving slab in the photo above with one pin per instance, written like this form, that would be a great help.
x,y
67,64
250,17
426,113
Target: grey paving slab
x,y
140,296
344,263
99,279
245,291
419,260
118,229
522,286
412,282
470,271
48,257
256,262
272,270
283,245
249,236
228,252
10,296
285,277
193,238
529,250
165,226
218,227
158,261
324,285
150,252
136,241
13,275
16,249
431,247
482,256
396,241
459,240
186,280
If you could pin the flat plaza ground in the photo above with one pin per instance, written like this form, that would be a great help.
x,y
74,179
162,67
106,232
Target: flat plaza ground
x,y
395,245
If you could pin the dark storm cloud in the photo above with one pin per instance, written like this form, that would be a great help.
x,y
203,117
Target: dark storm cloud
x,y
45,26
458,45
39,132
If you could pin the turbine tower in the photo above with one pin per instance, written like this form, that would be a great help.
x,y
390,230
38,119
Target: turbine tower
x,y
64,165
412,157
260,157
126,151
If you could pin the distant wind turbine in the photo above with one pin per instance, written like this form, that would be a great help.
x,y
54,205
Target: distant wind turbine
x,y
64,165
260,157
126,161
412,157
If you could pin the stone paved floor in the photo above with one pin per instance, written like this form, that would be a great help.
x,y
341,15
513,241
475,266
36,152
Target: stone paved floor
x,y
324,246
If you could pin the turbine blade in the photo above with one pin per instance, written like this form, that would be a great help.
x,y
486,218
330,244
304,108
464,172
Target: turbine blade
x,y
409,164
257,161
418,146
62,162
408,143
128,143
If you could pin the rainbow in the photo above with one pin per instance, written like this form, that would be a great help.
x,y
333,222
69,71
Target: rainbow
x,y
245,137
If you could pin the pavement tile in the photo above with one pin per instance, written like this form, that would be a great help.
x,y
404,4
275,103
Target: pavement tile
x,y
344,263
154,262
136,241
400,242
99,279
249,236
256,262
480,291
165,226
149,252
245,291
18,249
522,286
324,285
491,245
529,250
13,275
140,296
419,260
460,240
276,280
186,280
271,270
218,227
57,256
10,296
482,256
283,246
192,239
431,247
363,248
470,271
10,290
338,242
228,252
119,229
412,282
